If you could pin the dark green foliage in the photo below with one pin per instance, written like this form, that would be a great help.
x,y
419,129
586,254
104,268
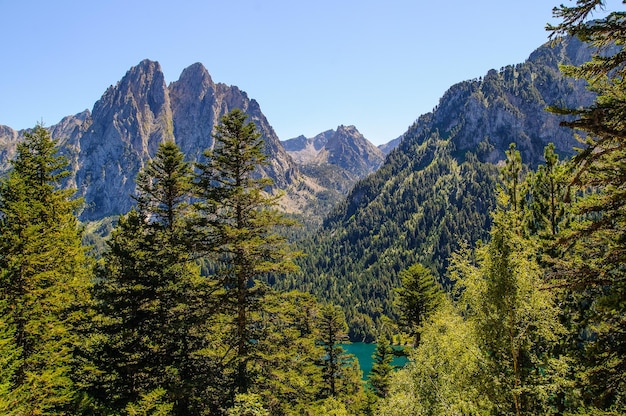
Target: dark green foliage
x,y
592,267
236,226
44,281
418,296
341,378
332,331
549,197
380,376
149,298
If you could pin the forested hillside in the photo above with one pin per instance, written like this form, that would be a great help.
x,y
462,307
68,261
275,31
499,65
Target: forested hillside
x,y
493,253
435,191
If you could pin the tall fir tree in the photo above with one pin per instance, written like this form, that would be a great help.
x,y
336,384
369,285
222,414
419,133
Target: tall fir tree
x,y
380,375
595,244
148,296
237,225
45,277
549,197
418,296
333,331
341,376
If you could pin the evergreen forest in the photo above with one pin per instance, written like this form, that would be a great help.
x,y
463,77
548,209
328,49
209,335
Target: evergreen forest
x,y
504,283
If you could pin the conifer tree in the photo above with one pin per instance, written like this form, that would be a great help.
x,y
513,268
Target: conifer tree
x,y
418,297
511,175
380,376
341,376
595,248
147,296
333,330
44,281
236,225
549,196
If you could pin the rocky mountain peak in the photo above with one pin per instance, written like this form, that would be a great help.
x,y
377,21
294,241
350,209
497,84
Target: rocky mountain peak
x,y
348,149
305,150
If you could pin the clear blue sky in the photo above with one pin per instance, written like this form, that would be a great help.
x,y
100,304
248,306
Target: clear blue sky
x,y
311,65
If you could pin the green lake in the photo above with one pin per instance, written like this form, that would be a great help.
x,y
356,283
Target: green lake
x,y
363,352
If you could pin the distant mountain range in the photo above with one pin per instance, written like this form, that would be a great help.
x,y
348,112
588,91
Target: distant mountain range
x,y
108,145
336,158
383,209
435,190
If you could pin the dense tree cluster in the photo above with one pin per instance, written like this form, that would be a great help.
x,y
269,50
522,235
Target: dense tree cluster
x,y
535,323
508,282
144,330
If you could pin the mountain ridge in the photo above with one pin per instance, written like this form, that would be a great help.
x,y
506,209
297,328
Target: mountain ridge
x,y
436,188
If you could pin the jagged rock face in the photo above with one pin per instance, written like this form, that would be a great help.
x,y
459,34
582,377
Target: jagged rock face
x,y
335,159
348,149
127,125
304,150
8,142
345,148
386,148
109,145
485,115
198,104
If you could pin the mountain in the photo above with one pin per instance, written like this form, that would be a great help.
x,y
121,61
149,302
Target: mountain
x,y
386,148
436,189
304,150
108,145
335,158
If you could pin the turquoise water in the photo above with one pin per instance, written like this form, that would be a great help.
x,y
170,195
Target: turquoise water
x,y
364,353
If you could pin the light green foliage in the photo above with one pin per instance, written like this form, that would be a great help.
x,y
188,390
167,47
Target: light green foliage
x,y
441,378
150,404
402,399
516,320
10,361
44,281
247,404
512,176
288,376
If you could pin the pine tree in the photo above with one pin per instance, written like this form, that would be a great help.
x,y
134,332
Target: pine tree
x,y
380,376
594,245
511,175
332,332
549,197
237,225
44,281
418,296
148,294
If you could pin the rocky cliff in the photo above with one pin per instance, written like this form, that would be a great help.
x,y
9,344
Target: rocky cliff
x,y
335,158
509,105
110,144
435,190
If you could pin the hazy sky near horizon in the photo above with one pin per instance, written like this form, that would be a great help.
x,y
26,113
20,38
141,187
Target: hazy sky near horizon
x,y
311,65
